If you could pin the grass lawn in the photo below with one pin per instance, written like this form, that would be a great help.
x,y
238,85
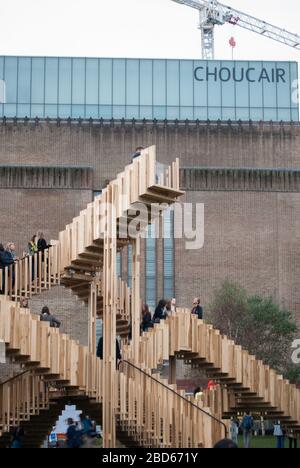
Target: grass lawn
x,y
263,442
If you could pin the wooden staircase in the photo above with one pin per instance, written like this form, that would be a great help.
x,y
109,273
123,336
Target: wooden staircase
x,y
149,411
246,383
55,361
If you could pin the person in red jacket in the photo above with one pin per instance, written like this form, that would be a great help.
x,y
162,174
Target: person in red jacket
x,y
211,385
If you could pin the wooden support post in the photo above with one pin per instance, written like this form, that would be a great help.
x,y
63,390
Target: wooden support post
x,y
92,308
136,300
172,370
109,322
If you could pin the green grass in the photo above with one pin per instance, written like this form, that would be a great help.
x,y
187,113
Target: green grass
x,y
263,442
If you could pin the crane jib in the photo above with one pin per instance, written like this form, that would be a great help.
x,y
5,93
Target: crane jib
x,y
250,74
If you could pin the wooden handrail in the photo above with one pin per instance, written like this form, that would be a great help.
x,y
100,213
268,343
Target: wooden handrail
x,y
177,394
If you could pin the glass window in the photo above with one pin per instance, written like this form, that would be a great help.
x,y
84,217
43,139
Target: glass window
x,y
146,112
92,112
146,85
119,112
65,81
214,89
284,114
78,111
23,110
1,68
242,113
10,110
269,87
11,74
119,91
159,83
119,265
214,113
200,83
105,82
1,110
37,110
255,87
51,89
173,83
173,113
78,81
283,79
92,81
200,113
64,111
228,113
295,115
151,267
241,84
105,112
168,227
132,82
24,77
270,114
186,113
129,266
256,114
228,85
38,81
295,83
51,111
99,329
132,112
187,83
159,112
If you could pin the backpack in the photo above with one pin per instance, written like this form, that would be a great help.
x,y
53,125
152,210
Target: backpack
x,y
248,423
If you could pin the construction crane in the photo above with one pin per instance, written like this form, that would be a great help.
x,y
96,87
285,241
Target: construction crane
x,y
213,13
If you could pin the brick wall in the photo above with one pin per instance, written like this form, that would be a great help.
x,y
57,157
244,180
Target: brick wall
x,y
251,232
106,147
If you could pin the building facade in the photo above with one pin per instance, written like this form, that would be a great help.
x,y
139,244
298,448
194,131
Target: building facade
x,y
53,160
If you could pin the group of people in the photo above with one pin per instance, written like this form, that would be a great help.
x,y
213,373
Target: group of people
x,y
163,310
81,433
8,255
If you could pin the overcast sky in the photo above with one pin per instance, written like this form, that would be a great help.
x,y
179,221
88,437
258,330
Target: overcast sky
x,y
135,28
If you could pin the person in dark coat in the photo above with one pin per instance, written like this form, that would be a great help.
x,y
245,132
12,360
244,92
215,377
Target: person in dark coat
x,y
74,435
6,259
146,318
137,153
197,308
160,311
42,244
47,317
100,350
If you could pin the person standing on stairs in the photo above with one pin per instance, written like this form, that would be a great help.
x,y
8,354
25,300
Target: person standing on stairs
x,y
6,260
160,311
100,351
197,308
42,244
47,317
146,318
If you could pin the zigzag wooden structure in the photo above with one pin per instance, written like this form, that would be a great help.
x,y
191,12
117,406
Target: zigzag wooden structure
x,y
84,260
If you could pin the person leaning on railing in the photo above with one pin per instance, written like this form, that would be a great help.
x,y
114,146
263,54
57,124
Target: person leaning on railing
x,y
42,244
6,259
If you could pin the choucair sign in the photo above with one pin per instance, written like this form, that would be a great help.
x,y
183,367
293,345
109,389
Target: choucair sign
x,y
2,92
250,74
